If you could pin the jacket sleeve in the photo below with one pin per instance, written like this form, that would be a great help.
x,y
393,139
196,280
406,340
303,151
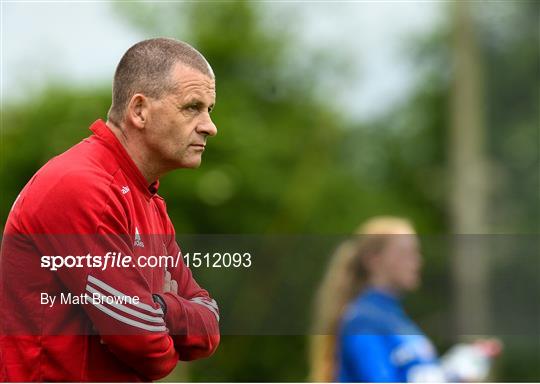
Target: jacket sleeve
x,y
135,332
192,315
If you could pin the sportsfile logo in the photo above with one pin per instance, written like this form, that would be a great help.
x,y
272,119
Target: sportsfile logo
x,y
109,260
138,242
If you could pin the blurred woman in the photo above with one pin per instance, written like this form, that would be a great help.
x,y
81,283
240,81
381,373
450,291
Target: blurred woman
x,y
362,333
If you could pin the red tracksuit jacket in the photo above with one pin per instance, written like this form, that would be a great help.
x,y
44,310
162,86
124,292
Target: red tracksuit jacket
x,y
92,199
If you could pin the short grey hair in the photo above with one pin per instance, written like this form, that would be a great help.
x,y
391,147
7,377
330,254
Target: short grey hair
x,y
146,68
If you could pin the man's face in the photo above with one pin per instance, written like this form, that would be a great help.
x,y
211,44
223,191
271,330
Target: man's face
x,y
179,123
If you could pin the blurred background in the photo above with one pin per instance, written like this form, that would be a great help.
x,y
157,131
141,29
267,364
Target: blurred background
x,y
327,113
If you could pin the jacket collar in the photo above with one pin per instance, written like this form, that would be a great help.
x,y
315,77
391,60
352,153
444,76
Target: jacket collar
x,y
127,164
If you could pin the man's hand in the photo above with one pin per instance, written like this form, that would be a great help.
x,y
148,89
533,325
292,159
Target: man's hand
x,y
170,284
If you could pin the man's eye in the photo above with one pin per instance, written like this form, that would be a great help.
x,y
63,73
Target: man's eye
x,y
191,108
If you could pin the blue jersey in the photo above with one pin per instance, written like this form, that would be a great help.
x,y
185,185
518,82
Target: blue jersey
x,y
378,342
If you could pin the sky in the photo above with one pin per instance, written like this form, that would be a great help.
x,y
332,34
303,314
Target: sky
x,y
82,43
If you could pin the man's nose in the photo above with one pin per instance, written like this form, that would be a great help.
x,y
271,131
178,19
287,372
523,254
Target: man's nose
x,y
207,127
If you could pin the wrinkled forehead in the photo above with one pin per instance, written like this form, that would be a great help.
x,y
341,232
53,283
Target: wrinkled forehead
x,y
192,82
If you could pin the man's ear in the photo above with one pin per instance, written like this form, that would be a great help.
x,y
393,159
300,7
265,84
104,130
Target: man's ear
x,y
137,112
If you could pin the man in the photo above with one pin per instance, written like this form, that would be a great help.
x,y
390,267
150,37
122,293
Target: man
x,y
100,198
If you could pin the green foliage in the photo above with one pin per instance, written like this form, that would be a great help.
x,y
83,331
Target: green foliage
x,y
512,89
42,127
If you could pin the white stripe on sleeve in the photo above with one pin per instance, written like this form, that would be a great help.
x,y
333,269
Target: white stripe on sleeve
x,y
115,292
126,320
205,304
125,309
206,300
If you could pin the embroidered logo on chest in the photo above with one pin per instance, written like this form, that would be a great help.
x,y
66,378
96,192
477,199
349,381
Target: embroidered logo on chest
x,y
138,241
